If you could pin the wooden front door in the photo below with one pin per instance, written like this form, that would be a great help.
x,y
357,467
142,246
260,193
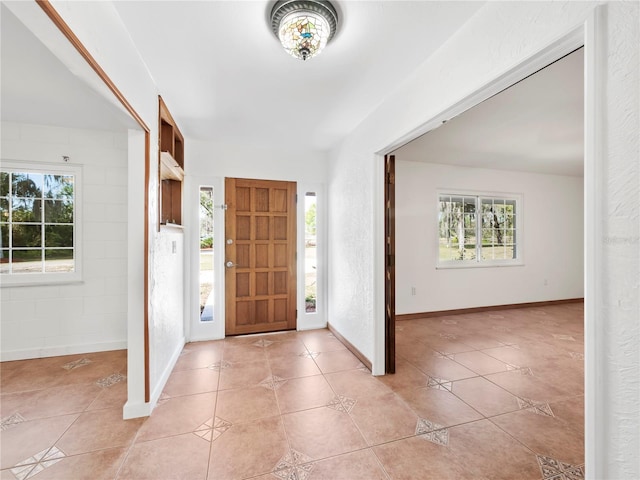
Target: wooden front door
x,y
260,257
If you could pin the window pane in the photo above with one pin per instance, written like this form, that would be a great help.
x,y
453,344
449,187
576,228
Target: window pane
x,y
4,236
4,261
58,260
58,235
310,253
58,186
27,184
456,213
58,211
4,184
206,254
26,210
27,261
4,209
26,235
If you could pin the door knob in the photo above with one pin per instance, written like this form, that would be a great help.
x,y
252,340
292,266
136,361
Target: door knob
x,y
231,264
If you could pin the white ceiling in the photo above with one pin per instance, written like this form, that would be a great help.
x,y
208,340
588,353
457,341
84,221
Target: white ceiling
x,y
36,87
536,125
225,78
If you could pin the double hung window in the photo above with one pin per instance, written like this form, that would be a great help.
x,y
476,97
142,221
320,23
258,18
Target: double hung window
x,y
38,224
478,230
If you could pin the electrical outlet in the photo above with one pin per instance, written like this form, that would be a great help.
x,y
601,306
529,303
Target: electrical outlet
x,y
413,290
546,282
174,249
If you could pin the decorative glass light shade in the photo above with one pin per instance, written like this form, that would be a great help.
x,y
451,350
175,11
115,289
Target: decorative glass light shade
x,y
304,27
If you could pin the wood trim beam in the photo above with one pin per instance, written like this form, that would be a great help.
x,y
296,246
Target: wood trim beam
x,y
462,311
64,28
75,41
350,347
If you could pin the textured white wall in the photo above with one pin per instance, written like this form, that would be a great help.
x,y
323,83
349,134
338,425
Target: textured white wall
x,y
619,325
499,37
244,161
101,31
552,240
46,320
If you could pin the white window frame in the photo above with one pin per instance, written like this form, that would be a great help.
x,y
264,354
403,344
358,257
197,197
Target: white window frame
x,y
478,262
32,279
318,319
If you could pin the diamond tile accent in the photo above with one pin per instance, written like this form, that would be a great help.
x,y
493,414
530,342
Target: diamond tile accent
x,y
111,380
217,366
448,321
564,337
432,431
449,356
44,459
449,336
553,469
539,408
11,421
309,354
439,383
262,343
294,466
518,369
273,383
76,364
576,355
212,429
342,403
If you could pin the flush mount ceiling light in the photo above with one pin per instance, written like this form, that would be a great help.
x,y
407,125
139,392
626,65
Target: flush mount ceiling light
x,y
304,27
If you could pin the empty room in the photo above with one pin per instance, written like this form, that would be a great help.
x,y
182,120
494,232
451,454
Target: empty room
x,y
310,239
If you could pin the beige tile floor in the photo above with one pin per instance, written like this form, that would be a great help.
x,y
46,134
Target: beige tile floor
x,y
494,395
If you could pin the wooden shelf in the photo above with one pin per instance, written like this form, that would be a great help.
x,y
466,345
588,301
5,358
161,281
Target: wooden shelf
x,y
169,168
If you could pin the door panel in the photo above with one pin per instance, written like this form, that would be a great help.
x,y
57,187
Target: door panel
x,y
260,238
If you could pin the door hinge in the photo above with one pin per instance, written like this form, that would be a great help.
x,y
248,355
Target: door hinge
x,y
296,314
296,198
224,206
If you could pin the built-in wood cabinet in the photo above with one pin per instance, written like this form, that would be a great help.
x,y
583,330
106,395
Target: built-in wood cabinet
x,y
171,167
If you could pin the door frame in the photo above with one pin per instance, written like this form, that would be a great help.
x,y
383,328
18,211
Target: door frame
x,y
592,36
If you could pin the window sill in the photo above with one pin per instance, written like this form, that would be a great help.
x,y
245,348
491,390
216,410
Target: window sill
x,y
479,265
9,282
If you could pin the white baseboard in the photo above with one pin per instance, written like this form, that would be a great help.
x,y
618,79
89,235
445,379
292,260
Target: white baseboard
x,y
136,410
142,409
31,353
162,381
312,326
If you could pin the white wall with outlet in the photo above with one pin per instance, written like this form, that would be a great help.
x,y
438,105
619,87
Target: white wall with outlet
x,y
552,240
90,315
